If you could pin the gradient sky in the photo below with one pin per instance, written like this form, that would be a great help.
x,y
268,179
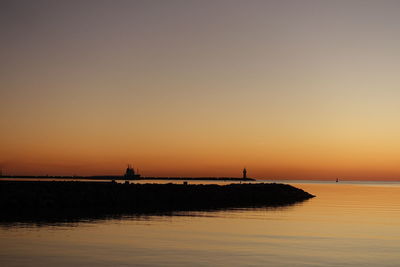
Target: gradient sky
x,y
289,89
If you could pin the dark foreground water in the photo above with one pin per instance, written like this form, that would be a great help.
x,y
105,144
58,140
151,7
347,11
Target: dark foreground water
x,y
353,224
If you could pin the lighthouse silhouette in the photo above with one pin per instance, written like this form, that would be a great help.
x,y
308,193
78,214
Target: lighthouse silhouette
x,y
244,173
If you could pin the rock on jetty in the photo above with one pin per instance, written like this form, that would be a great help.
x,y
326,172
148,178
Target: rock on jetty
x,y
55,199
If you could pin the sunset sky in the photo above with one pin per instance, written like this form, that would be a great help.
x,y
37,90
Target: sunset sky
x,y
287,89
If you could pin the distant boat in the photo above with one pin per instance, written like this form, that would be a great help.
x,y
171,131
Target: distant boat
x,y
130,173
337,180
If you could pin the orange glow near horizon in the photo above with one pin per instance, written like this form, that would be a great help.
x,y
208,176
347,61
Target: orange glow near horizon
x,y
279,87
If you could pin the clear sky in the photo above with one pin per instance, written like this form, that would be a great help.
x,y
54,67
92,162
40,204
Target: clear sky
x,y
289,89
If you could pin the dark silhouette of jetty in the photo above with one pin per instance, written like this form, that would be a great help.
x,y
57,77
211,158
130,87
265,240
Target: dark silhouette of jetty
x,y
35,200
131,174
119,177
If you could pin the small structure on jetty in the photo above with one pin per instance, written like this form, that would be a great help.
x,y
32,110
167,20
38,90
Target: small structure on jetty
x,y
130,173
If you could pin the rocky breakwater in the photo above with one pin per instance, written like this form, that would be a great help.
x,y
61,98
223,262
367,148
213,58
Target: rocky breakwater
x,y
59,199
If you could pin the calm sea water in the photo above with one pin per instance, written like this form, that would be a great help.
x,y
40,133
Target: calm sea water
x,y
347,224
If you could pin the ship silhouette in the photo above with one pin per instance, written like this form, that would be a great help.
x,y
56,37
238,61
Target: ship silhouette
x,y
130,173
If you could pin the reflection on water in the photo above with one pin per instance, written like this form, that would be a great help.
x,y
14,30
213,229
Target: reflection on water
x,y
76,220
345,225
